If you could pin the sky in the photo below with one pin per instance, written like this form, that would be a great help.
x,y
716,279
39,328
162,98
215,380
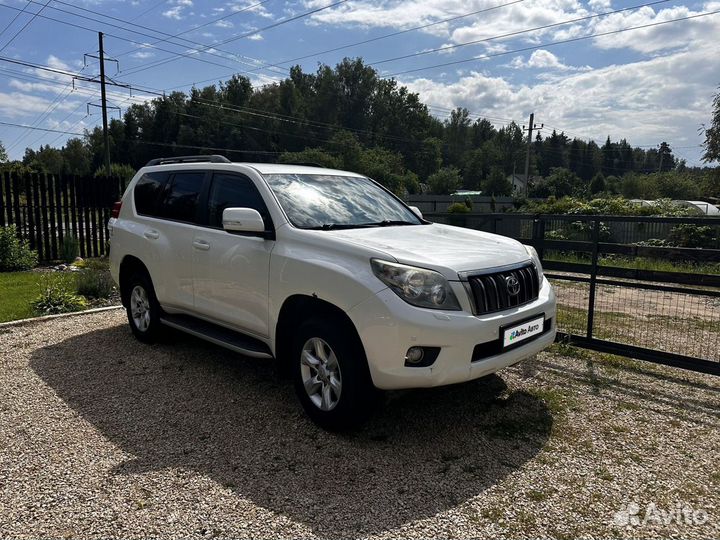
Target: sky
x,y
564,60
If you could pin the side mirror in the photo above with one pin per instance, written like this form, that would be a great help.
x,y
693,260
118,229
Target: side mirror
x,y
246,220
416,211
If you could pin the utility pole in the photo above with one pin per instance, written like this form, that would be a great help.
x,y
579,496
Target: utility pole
x,y
103,97
531,126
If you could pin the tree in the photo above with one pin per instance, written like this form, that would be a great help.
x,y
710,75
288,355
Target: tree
x,y
561,182
76,157
457,130
497,183
429,157
311,155
597,185
666,160
608,158
445,181
712,134
3,153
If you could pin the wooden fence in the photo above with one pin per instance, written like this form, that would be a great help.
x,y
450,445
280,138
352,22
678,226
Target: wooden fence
x,y
46,209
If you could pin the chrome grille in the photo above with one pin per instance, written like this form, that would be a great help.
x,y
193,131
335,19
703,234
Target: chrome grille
x,y
493,292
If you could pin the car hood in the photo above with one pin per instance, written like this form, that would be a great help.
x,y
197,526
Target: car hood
x,y
444,248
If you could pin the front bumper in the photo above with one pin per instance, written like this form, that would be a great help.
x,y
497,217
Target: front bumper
x,y
388,326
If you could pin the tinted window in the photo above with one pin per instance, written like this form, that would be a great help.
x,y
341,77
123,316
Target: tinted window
x,y
181,197
313,201
146,192
233,191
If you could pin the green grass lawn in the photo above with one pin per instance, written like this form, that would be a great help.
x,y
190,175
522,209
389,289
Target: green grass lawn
x,y
18,290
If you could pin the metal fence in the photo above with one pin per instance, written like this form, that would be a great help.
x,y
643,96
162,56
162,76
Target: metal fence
x,y
619,290
46,209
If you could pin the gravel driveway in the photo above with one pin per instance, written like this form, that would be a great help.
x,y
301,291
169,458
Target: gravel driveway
x,y
101,436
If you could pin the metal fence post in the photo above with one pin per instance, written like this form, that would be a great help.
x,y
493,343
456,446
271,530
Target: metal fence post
x,y
593,277
538,234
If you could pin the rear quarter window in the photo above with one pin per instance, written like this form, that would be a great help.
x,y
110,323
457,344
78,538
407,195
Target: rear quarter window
x,y
147,191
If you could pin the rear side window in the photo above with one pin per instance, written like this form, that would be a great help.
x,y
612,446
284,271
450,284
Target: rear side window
x,y
180,200
146,192
233,191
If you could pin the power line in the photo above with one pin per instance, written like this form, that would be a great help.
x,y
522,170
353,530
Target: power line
x,y
153,36
157,5
25,126
197,27
553,43
34,15
94,31
153,143
20,12
235,38
393,34
527,30
67,90
516,33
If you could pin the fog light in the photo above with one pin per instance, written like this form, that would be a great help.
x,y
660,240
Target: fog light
x,y
414,355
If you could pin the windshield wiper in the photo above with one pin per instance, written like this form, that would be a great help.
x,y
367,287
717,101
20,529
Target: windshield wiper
x,y
389,223
337,226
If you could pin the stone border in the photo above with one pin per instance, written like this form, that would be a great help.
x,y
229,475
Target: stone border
x,y
21,322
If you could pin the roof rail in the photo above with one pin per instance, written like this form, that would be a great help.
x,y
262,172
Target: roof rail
x,y
303,164
215,158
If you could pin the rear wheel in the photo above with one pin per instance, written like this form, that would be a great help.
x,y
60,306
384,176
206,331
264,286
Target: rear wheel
x,y
143,309
331,375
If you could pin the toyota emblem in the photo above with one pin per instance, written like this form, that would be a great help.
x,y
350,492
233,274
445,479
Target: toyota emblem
x,y
513,285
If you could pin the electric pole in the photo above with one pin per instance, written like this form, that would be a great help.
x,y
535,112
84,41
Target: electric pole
x,y
103,97
531,126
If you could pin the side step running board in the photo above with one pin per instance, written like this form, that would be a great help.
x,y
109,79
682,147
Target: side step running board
x,y
219,335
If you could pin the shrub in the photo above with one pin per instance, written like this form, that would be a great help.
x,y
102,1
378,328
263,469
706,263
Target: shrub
x,y
692,236
610,206
57,297
70,248
445,181
458,208
94,283
15,254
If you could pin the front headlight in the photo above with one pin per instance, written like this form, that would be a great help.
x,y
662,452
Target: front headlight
x,y
417,286
536,259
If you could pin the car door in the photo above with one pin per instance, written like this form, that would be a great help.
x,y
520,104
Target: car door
x,y
172,236
231,270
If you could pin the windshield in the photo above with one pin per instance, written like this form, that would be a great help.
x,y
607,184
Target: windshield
x,y
314,201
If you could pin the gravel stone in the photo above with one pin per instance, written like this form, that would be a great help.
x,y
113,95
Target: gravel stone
x,y
104,437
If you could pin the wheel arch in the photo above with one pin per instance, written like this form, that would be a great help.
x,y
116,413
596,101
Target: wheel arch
x,y
300,307
129,266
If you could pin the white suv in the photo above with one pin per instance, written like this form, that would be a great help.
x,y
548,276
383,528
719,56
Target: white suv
x,y
328,272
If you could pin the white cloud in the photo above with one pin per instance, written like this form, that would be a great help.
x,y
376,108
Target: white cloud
x,y
544,60
244,6
663,98
173,13
143,54
224,24
600,5
177,11
16,104
666,36
256,37
401,14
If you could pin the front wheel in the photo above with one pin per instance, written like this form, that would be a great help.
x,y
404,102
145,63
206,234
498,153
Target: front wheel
x,y
331,375
143,309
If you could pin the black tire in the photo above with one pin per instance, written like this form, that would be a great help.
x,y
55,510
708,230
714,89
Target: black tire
x,y
147,331
358,397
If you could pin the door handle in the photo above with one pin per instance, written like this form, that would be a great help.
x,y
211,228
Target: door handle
x,y
151,234
201,245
